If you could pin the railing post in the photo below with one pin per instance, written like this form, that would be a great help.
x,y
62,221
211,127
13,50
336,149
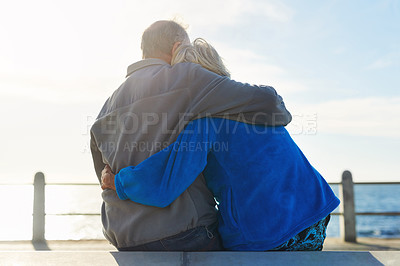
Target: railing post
x,y
348,220
38,208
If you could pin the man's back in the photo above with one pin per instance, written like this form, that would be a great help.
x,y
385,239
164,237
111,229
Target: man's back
x,y
135,123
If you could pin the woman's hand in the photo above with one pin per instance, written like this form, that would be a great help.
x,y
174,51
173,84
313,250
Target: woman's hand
x,y
107,178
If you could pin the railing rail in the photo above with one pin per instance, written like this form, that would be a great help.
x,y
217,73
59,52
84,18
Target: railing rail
x,y
347,209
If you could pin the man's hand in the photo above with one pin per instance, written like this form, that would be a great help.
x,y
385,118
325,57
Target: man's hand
x,y
107,178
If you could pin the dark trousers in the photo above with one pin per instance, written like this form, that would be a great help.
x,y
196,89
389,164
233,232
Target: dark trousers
x,y
204,238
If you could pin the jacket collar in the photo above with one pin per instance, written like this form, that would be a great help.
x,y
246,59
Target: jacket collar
x,y
144,63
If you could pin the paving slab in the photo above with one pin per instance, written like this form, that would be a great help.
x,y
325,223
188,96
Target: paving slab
x,y
363,244
57,245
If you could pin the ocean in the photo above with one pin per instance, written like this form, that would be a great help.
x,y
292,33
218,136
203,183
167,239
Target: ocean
x,y
17,205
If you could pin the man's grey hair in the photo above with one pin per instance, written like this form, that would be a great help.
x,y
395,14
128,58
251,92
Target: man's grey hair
x,y
160,37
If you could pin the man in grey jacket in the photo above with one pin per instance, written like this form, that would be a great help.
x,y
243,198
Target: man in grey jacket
x,y
146,114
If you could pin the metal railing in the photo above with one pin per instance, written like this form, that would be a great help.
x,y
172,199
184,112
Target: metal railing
x,y
38,234
347,208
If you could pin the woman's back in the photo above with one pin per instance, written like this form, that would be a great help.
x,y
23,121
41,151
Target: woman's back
x,y
266,188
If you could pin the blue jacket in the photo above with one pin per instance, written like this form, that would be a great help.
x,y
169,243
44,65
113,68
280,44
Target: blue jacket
x,y
266,189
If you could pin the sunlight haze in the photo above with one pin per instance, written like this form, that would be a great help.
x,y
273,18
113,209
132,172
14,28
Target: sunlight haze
x,y
335,63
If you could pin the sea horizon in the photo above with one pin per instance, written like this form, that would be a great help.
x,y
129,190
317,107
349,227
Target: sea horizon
x,y
86,199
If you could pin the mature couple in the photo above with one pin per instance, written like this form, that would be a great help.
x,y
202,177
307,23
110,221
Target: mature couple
x,y
178,134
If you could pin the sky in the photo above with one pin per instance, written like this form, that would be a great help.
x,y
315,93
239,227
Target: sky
x,y
335,63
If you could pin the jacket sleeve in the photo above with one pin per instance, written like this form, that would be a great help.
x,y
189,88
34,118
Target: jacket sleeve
x,y
213,95
97,157
160,179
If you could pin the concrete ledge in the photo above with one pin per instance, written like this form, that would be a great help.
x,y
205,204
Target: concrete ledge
x,y
199,258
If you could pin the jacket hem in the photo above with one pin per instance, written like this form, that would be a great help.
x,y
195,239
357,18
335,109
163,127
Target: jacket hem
x,y
264,246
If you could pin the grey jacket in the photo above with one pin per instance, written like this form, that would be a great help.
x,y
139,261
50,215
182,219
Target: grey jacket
x,y
146,114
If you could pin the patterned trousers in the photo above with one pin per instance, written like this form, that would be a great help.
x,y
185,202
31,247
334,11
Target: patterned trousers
x,y
310,239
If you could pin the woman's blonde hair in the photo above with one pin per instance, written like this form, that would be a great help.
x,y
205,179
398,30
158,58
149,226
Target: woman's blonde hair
x,y
202,53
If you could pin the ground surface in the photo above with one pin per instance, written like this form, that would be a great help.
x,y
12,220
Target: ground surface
x,y
331,244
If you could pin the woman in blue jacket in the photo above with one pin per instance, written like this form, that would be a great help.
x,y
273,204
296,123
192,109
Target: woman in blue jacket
x,y
269,196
